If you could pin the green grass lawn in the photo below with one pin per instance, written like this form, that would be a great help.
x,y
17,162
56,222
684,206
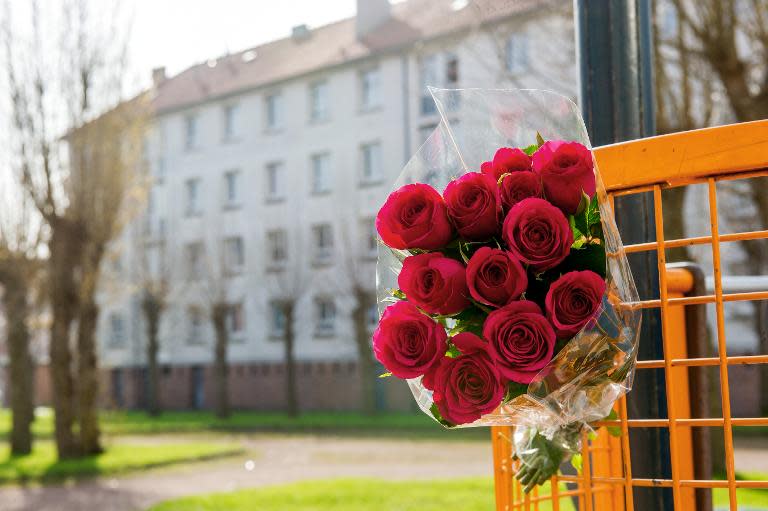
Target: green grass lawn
x,y
375,495
131,423
42,466
349,495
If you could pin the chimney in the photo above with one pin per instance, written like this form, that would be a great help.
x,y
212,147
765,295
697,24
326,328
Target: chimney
x,y
158,76
370,15
300,32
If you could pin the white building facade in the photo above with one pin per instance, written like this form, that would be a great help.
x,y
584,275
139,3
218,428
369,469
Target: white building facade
x,y
268,167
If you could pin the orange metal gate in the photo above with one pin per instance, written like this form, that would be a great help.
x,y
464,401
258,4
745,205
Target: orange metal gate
x,y
703,157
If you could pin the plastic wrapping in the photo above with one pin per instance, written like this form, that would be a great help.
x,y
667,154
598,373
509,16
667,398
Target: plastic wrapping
x,y
585,378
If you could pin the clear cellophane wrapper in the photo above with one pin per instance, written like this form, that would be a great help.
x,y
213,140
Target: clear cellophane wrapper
x,y
584,380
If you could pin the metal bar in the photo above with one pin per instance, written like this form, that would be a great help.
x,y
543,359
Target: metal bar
x,y
667,340
663,423
699,240
696,300
667,483
704,362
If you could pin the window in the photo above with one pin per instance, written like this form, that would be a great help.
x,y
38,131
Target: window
x,y
372,316
321,173
231,188
277,246
230,122
451,70
277,320
323,242
370,94
190,131
274,181
236,320
116,328
318,101
234,255
160,169
194,257
371,161
192,192
196,322
273,107
517,53
325,317
431,75
370,238
429,78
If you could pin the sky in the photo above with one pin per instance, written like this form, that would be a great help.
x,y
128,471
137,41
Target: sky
x,y
179,33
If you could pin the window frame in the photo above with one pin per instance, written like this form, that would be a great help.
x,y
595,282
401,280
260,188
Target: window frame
x,y
273,120
274,169
230,202
234,261
325,327
191,131
376,175
511,53
322,244
229,124
366,103
321,175
277,243
319,101
192,206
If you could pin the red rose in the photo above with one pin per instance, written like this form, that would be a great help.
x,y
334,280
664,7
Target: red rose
x,y
574,300
414,216
474,205
505,161
567,171
407,342
518,186
434,283
521,340
537,233
466,387
495,277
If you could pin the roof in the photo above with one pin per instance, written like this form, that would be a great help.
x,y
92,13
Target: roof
x,y
327,46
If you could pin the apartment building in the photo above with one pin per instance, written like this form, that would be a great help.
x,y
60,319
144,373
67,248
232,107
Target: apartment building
x,y
268,167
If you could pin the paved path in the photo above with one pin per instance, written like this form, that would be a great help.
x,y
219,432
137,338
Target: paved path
x,y
274,460
278,459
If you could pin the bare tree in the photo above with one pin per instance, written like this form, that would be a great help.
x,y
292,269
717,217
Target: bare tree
x,y
74,163
20,267
154,289
290,272
729,39
357,269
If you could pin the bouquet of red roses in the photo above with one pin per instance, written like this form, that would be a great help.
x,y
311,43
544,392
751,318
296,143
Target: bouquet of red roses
x,y
507,307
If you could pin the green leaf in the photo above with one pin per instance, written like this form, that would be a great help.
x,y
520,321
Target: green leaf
x,y
453,351
613,430
385,375
397,294
579,243
539,139
514,390
589,257
531,149
577,462
583,204
436,414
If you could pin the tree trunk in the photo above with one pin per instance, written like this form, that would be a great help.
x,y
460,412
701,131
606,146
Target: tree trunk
x,y
20,362
64,259
291,391
364,300
152,308
219,316
88,378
